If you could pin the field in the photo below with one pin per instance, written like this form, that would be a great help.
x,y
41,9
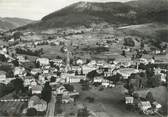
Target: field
x,y
11,107
108,103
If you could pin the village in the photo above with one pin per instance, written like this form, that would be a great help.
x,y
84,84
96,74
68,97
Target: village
x,y
50,75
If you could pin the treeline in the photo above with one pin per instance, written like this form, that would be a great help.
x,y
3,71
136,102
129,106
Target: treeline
x,y
8,69
29,52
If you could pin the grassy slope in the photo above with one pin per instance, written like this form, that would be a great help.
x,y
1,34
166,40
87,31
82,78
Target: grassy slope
x,y
145,30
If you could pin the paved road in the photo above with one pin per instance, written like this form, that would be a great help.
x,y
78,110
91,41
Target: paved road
x,y
51,107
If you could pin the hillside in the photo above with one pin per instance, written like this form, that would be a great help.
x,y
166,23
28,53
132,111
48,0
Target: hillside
x,y
149,5
11,23
154,31
87,13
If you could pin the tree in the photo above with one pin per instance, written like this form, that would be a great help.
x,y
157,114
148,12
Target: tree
x,y
2,89
46,92
31,112
3,58
91,75
18,84
83,112
17,35
142,45
131,89
69,87
15,62
149,97
123,53
53,79
129,42
8,69
37,64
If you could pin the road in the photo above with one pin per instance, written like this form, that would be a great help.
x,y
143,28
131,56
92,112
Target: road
x,y
51,107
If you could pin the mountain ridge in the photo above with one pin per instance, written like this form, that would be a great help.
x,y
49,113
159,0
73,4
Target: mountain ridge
x,y
8,23
86,13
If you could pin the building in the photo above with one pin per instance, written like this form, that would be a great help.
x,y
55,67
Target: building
x,y
75,79
92,63
86,69
20,71
22,59
79,62
57,62
126,72
2,76
36,89
43,61
35,71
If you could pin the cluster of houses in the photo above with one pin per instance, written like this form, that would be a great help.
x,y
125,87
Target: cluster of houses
x,y
57,74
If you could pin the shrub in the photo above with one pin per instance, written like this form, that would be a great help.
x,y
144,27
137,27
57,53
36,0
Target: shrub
x,y
129,42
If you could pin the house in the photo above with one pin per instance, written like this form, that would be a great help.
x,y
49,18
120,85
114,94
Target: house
x,y
100,63
129,100
36,89
75,79
92,63
57,62
22,59
98,79
79,62
2,76
98,76
107,83
126,72
45,71
27,82
35,71
43,61
126,62
39,104
42,78
20,71
144,105
76,68
144,61
33,83
86,68
157,52
61,89
108,74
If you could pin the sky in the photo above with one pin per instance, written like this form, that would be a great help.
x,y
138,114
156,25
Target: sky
x,y
36,9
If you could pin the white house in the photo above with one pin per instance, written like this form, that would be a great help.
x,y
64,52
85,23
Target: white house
x,y
107,83
126,72
45,71
79,62
144,105
98,79
43,61
92,63
36,89
86,69
22,59
20,71
144,61
57,61
2,76
75,79
35,71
